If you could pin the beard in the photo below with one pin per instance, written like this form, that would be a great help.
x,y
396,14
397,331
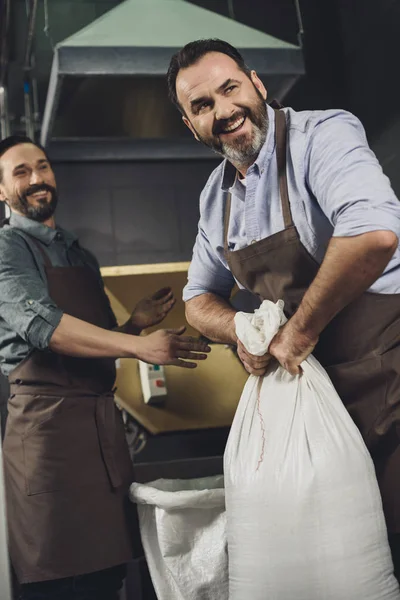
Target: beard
x,y
40,212
241,151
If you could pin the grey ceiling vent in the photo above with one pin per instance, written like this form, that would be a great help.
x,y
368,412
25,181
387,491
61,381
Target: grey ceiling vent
x,y
107,89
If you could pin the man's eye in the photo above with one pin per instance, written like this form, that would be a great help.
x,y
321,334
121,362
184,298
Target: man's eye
x,y
43,167
203,105
230,88
19,173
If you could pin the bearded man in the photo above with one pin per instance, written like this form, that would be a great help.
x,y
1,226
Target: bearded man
x,y
299,210
66,461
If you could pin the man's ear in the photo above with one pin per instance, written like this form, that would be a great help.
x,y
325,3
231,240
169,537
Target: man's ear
x,y
3,197
258,84
188,124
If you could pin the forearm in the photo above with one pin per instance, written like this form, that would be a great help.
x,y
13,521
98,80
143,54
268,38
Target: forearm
x,y
212,316
351,265
74,337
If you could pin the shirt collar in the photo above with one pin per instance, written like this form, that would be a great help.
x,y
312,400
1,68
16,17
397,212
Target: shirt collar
x,y
229,171
41,232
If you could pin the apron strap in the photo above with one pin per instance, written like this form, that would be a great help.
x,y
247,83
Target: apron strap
x,y
226,221
281,144
46,259
280,139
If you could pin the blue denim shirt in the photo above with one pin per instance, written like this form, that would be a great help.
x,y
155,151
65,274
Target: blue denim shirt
x,y
28,316
336,188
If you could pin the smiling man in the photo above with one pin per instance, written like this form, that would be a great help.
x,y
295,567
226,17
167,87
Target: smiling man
x,y
240,137
66,461
299,210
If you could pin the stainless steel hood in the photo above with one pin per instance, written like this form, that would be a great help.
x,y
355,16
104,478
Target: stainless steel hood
x,y
107,94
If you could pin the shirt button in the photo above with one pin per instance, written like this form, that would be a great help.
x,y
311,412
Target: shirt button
x,y
253,241
30,302
59,236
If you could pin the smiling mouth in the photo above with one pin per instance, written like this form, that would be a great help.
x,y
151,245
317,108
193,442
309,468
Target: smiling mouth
x,y
40,194
235,126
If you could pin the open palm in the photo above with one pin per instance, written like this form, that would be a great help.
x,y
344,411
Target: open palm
x,y
153,309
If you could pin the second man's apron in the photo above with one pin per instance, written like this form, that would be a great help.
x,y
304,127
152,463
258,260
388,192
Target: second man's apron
x,y
360,348
67,464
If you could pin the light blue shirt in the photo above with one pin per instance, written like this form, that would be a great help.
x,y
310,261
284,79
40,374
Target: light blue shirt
x,y
336,188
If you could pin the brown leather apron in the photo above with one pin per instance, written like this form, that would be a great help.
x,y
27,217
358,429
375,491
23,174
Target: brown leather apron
x,y
67,465
360,348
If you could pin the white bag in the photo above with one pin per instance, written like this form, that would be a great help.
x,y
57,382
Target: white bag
x,y
182,526
304,513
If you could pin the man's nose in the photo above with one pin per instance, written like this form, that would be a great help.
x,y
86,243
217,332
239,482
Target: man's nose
x,y
224,110
36,178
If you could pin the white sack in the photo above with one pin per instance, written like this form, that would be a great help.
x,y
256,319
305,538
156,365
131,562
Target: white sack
x,y
182,526
304,512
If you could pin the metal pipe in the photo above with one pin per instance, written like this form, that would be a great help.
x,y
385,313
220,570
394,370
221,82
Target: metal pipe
x,y
300,34
4,115
31,31
29,127
35,95
5,22
231,10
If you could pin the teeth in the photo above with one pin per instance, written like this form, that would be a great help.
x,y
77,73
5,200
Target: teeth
x,y
234,125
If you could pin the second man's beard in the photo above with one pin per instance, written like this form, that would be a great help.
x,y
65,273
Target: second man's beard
x,y
40,212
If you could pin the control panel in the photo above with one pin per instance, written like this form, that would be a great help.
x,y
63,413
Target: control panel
x,y
152,378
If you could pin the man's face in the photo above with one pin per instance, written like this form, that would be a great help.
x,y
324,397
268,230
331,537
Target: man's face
x,y
28,184
224,108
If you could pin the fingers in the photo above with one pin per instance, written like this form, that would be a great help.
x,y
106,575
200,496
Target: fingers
x,y
184,364
253,371
178,331
191,343
257,362
186,345
165,308
187,342
163,295
193,355
292,368
255,365
162,311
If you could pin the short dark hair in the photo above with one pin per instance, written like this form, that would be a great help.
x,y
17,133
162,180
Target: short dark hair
x,y
16,140
191,54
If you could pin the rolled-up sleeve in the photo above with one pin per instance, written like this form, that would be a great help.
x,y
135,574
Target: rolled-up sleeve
x,y
24,301
347,180
207,274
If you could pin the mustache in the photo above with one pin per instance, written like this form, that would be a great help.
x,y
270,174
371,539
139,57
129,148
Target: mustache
x,y
221,124
40,187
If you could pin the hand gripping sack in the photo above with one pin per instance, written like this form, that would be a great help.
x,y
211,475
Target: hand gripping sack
x,y
304,513
182,526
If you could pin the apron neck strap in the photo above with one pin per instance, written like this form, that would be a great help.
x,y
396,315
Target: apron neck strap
x,y
280,140
226,220
46,259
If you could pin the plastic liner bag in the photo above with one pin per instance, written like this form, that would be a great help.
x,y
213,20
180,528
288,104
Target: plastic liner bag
x,y
304,512
183,531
